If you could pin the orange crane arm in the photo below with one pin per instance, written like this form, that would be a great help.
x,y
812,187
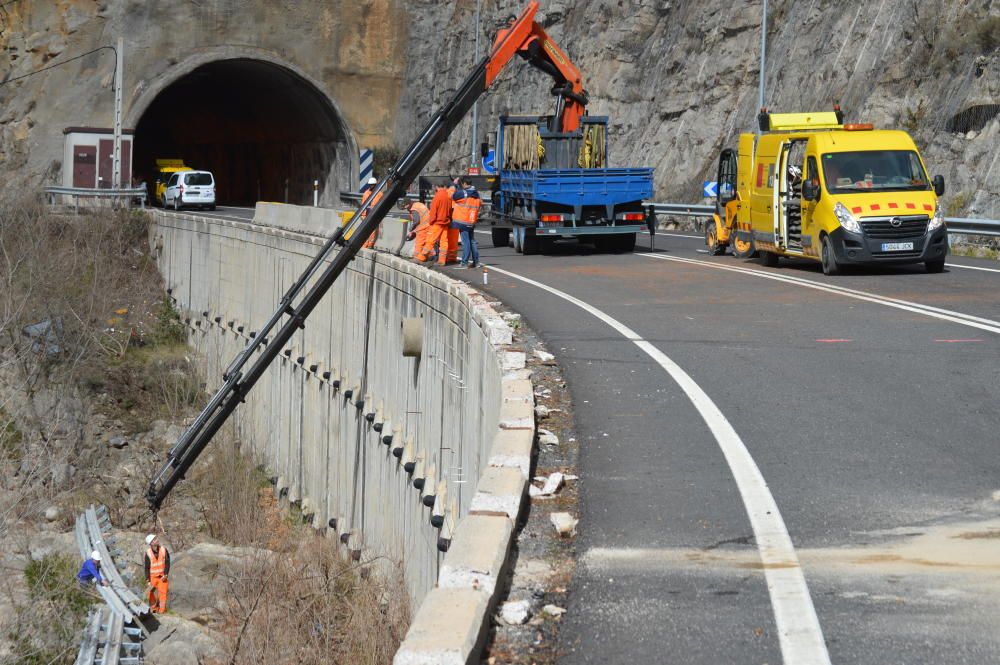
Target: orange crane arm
x,y
525,37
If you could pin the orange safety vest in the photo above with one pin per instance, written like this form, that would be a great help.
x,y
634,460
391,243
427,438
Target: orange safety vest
x,y
157,564
423,213
367,195
467,210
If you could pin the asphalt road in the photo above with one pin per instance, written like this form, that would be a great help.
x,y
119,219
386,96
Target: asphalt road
x,y
242,214
867,403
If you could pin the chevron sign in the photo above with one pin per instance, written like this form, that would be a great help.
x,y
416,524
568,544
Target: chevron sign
x,y
365,172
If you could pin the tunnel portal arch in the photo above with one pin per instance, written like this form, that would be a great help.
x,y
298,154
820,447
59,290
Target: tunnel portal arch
x,y
265,129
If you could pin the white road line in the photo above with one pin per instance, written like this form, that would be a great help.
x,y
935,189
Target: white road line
x,y
679,235
936,312
956,265
799,632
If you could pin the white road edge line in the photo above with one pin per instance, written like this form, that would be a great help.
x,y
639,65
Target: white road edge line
x,y
959,265
988,325
799,632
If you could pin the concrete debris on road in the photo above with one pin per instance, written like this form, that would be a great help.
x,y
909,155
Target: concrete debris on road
x,y
514,612
564,523
552,485
554,611
545,357
547,438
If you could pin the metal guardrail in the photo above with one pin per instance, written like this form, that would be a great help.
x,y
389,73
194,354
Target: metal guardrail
x,y
956,225
83,192
973,227
106,630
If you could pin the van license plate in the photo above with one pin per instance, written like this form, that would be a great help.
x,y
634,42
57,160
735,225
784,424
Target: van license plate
x,y
897,247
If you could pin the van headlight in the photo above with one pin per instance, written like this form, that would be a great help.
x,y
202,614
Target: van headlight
x,y
937,221
846,219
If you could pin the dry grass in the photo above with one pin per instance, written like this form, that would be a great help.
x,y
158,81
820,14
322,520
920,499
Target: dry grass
x,y
299,600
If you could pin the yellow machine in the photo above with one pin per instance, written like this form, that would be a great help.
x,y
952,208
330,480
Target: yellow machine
x,y
810,186
164,169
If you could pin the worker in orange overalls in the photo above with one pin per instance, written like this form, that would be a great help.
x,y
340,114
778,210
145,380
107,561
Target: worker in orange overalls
x,y
453,232
369,188
156,564
420,222
437,231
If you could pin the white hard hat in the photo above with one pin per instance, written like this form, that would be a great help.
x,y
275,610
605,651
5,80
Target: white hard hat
x,y
372,181
150,538
95,555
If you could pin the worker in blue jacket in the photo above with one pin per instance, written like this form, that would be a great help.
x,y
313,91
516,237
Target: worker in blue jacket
x,y
464,216
90,571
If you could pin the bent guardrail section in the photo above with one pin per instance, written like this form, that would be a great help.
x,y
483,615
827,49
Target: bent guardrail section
x,y
106,639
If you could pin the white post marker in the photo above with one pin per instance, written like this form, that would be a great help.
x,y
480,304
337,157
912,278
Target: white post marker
x,y
799,633
315,193
486,275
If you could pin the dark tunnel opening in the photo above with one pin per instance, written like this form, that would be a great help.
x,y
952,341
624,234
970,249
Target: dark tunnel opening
x,y
263,131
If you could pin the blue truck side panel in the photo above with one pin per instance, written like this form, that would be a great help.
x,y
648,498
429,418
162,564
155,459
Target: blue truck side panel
x,y
579,187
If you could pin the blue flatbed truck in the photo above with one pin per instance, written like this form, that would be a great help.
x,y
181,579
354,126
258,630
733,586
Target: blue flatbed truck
x,y
554,185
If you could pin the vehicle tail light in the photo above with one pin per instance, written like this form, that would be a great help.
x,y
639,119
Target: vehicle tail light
x,y
551,218
633,217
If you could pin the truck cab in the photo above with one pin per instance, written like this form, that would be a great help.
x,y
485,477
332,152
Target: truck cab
x,y
810,186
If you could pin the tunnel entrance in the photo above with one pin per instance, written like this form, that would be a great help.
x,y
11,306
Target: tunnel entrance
x,y
265,132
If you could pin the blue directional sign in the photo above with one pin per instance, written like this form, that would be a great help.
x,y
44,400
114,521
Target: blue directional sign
x,y
710,189
488,166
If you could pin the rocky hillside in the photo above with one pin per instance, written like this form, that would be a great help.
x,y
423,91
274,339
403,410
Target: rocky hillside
x,y
680,78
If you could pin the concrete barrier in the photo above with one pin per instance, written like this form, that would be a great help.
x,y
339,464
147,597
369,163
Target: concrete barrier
x,y
423,461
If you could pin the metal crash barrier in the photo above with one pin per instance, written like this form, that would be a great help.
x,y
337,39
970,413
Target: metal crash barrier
x,y
107,639
128,195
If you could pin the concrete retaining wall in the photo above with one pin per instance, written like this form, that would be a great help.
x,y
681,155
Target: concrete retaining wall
x,y
460,417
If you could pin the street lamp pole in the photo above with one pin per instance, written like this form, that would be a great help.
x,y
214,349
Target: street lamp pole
x,y
763,53
475,107
116,170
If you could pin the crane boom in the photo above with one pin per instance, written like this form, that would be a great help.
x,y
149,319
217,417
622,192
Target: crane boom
x,y
525,37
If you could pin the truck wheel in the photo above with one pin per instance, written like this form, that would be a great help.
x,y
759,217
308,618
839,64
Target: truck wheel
x,y
827,258
935,266
712,240
742,249
501,237
529,242
769,259
626,242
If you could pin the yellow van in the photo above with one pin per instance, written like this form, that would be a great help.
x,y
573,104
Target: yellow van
x,y
164,169
810,186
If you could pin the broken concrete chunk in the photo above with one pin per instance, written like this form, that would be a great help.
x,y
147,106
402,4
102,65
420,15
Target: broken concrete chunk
x,y
514,612
553,483
554,611
547,438
118,442
564,523
545,357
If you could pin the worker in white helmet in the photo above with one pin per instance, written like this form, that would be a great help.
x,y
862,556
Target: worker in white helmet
x,y
156,566
365,195
90,571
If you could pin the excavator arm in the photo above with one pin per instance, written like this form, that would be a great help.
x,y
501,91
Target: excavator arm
x,y
340,249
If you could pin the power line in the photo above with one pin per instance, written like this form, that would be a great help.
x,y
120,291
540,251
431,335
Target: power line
x,y
58,64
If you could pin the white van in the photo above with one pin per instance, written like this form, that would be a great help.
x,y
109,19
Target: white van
x,y
190,188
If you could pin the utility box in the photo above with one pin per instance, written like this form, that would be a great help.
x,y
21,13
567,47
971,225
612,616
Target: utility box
x,y
88,157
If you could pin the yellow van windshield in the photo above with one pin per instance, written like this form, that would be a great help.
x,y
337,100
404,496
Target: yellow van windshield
x,y
882,170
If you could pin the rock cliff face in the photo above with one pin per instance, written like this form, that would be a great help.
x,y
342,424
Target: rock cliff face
x,y
678,77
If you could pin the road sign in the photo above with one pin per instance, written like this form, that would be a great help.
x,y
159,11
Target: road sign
x,y
710,189
473,170
367,162
488,166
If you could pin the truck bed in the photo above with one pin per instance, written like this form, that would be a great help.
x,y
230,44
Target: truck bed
x,y
580,187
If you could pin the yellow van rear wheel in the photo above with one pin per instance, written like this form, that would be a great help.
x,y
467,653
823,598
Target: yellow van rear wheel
x,y
712,239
